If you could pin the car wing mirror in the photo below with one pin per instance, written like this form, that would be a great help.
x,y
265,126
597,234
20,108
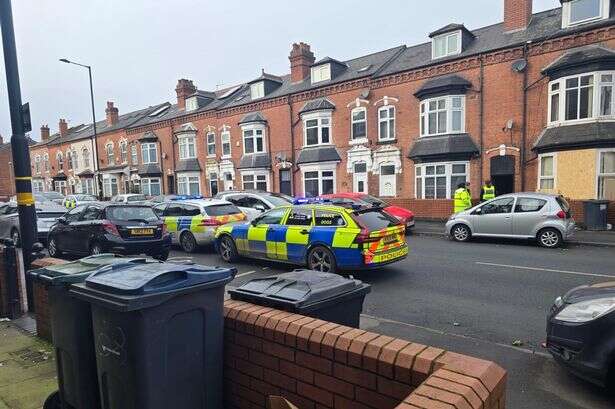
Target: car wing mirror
x,y
260,208
478,211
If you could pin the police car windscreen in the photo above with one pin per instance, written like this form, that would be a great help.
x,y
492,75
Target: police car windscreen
x,y
375,220
131,213
222,210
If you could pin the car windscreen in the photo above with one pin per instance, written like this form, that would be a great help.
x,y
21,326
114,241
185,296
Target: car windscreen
x,y
374,220
279,200
222,210
137,198
49,215
131,213
85,198
374,201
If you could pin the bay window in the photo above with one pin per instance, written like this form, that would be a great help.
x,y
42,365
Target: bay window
x,y
149,153
386,123
189,184
255,181
225,137
187,149
150,186
443,115
253,139
109,186
358,119
439,180
318,182
546,172
606,175
211,144
317,128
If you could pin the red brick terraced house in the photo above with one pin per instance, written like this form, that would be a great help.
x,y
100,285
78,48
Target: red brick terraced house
x,y
527,103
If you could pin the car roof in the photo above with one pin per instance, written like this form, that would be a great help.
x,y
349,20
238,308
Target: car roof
x,y
317,206
345,195
536,195
203,202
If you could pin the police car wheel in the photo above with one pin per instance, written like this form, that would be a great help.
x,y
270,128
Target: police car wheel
x,y
461,232
188,242
321,259
228,250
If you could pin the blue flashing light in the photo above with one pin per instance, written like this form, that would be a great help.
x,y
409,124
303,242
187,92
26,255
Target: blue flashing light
x,y
187,197
310,200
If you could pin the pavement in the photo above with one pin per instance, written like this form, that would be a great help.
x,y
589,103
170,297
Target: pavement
x,y
582,237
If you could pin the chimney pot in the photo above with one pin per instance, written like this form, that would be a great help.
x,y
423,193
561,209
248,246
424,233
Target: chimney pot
x,y
517,14
112,114
44,133
301,58
183,89
63,127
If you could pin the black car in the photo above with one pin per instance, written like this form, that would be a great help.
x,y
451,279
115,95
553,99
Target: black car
x,y
581,332
105,227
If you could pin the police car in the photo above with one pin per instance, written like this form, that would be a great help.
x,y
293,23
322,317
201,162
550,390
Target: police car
x,y
193,220
324,237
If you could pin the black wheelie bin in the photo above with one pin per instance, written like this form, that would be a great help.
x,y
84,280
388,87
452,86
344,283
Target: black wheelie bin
x,y
158,332
71,329
325,296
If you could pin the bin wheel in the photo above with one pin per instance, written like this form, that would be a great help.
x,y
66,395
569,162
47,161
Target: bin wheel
x,y
52,247
53,401
549,238
321,259
188,242
228,250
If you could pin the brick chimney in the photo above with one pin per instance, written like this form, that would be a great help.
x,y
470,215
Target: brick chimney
x,y
112,114
517,14
183,89
301,58
44,133
63,127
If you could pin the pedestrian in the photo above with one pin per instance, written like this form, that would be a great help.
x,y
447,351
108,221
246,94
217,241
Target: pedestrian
x,y
463,199
488,191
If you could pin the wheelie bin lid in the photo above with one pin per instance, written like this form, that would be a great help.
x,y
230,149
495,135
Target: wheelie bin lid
x,y
135,286
298,289
77,271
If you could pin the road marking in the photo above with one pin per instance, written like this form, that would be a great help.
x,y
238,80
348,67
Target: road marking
x,y
578,273
247,273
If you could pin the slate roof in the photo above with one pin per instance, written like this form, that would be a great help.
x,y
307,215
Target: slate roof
x,y
580,56
317,105
443,83
252,117
326,60
188,165
149,169
318,154
268,77
430,147
255,160
586,135
448,28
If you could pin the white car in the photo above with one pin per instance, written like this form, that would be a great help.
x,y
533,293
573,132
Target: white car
x,y
71,201
133,198
253,203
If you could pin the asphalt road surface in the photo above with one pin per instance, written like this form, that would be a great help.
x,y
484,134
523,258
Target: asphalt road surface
x,y
477,298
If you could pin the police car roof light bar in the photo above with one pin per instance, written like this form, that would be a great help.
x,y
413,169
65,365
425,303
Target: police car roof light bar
x,y
310,200
187,197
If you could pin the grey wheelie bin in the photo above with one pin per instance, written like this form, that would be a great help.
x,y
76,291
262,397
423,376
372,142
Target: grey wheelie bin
x,y
158,333
326,296
71,328
596,212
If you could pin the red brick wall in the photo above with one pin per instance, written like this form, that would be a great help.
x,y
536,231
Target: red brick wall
x,y
41,300
3,286
318,364
7,182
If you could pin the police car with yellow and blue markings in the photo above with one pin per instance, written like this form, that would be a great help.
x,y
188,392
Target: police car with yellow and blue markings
x,y
324,237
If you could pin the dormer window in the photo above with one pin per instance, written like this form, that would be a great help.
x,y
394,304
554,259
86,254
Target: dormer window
x,y
191,103
446,44
576,12
321,73
257,90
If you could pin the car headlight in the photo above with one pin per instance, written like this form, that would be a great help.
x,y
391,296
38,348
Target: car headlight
x,y
585,311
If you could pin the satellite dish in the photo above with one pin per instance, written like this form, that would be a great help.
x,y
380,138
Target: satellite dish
x,y
519,65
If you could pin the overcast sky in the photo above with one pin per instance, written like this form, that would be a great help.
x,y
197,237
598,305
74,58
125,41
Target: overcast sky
x,y
139,48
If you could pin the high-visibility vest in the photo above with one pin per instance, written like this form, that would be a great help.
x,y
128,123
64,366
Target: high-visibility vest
x,y
488,192
462,200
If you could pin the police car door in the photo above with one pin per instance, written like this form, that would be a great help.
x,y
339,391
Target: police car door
x,y
298,228
260,244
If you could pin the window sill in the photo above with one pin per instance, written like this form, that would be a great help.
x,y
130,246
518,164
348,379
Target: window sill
x,y
225,157
359,141
319,145
194,157
211,156
581,121
387,141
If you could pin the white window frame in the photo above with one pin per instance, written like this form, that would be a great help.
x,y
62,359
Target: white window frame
x,y
225,139
598,174
192,103
37,164
254,128
146,153
134,155
552,177
186,180
598,88
38,186
360,176
87,186
353,122
393,177
85,154
60,160
70,164
147,183
187,146
123,152
320,168
445,37
424,113
448,173
211,144
46,162
388,120
110,154
110,186
258,177
320,73
319,117
257,90
567,14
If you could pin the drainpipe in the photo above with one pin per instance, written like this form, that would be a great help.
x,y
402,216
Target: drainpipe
x,y
523,121
270,155
162,183
292,146
481,116
173,153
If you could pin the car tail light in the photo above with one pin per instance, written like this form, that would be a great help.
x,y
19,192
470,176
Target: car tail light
x,y
363,237
210,222
110,228
561,214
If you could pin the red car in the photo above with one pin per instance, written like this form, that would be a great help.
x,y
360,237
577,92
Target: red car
x,y
348,199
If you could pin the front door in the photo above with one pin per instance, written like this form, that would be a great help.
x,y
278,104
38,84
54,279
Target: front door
x,y
228,181
387,180
213,187
503,174
171,184
359,178
495,217
285,183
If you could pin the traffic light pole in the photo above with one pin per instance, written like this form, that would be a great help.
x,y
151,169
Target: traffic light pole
x,y
19,143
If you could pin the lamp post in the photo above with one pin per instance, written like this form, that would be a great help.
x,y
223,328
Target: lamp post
x,y
94,136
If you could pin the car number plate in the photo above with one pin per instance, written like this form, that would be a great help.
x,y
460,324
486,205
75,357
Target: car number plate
x,y
390,239
141,232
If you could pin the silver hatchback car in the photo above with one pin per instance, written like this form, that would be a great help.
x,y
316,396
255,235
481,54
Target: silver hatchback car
x,y
543,217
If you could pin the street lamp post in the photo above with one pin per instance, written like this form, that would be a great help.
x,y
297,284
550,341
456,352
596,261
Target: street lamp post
x,y
94,137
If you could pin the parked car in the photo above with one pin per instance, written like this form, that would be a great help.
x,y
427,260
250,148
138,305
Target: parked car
x,y
71,201
193,222
543,217
351,199
161,199
129,198
581,332
47,214
322,237
56,197
254,202
109,227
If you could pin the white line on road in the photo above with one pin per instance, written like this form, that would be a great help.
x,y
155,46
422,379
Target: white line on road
x,y
578,273
247,273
